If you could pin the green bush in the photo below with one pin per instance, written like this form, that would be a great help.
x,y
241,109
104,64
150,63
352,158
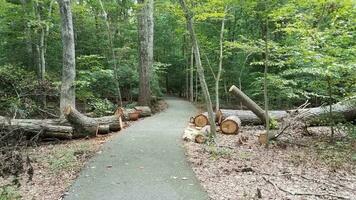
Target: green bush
x,y
101,107
18,88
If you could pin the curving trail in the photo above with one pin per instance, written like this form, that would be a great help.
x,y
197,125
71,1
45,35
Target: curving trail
x,y
148,162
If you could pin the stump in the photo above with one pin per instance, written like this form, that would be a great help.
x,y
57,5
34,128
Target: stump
x,y
231,125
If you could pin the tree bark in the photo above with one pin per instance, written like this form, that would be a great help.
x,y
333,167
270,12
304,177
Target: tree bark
x,y
87,126
145,30
346,111
46,128
265,82
247,117
231,125
217,81
67,96
200,68
144,111
191,80
249,103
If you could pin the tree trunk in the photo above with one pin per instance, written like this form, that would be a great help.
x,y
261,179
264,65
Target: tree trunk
x,y
87,126
145,30
191,80
231,125
249,103
249,118
344,110
67,96
200,68
144,111
46,128
217,81
265,82
77,125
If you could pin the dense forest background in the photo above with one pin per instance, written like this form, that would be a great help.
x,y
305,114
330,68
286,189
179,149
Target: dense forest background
x,y
311,50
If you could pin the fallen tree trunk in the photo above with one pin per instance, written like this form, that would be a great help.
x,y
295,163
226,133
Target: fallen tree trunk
x,y
312,116
87,126
230,125
46,128
144,111
249,103
341,111
249,118
77,125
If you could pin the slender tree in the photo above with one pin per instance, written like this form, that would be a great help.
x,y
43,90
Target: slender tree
x,y
68,71
113,54
145,31
200,69
191,80
265,82
217,81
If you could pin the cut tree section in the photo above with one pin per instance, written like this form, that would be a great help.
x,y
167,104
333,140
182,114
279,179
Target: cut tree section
x,y
231,125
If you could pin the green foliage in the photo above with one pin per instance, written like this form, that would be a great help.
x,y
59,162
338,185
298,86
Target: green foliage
x,y
273,124
64,159
8,192
101,107
311,45
18,90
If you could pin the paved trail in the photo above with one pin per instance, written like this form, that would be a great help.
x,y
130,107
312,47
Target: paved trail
x,y
147,160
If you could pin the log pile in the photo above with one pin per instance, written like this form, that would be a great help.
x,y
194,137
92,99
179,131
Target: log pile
x,y
76,124
230,121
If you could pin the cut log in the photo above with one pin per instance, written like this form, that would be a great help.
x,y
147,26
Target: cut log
x,y
249,103
230,125
144,111
193,135
201,120
263,138
87,126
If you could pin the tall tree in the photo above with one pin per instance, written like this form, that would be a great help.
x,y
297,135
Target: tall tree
x,y
145,30
200,69
68,69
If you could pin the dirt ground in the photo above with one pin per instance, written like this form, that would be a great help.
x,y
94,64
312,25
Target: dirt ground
x,y
295,167
56,164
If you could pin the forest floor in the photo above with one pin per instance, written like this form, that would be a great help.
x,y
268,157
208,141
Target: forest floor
x,y
297,167
57,164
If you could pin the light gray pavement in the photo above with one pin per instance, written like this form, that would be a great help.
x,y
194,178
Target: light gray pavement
x,y
148,162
